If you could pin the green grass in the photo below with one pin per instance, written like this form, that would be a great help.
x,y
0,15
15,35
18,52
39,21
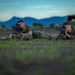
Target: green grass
x,y
40,49
37,57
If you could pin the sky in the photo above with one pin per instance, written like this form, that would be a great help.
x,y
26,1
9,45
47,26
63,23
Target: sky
x,y
35,8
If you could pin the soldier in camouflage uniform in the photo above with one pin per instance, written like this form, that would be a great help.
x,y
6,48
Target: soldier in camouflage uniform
x,y
67,32
20,29
24,33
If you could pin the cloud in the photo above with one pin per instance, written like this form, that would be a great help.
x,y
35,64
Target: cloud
x,y
39,15
67,11
41,6
6,15
10,4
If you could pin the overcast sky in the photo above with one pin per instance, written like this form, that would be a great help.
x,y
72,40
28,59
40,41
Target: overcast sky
x,y
35,8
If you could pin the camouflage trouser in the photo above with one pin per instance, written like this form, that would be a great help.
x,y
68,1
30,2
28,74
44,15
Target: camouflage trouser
x,y
41,34
36,34
26,36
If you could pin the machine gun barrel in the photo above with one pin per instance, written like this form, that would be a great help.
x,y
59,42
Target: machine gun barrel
x,y
16,29
62,31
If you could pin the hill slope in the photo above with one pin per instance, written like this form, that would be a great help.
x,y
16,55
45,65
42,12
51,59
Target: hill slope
x,y
29,21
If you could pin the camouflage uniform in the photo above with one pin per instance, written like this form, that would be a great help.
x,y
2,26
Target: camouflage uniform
x,y
36,34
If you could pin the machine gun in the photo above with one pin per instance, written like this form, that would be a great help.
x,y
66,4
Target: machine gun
x,y
16,29
62,33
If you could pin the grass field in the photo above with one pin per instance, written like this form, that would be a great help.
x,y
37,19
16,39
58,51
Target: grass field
x,y
37,57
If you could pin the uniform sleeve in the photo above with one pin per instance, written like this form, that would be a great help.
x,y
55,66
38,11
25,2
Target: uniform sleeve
x,y
27,29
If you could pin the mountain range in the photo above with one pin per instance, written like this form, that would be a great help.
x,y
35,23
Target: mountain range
x,y
29,21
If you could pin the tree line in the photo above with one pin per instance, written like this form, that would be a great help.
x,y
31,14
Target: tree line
x,y
35,26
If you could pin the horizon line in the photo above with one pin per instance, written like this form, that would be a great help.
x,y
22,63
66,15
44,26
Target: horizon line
x,y
32,17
